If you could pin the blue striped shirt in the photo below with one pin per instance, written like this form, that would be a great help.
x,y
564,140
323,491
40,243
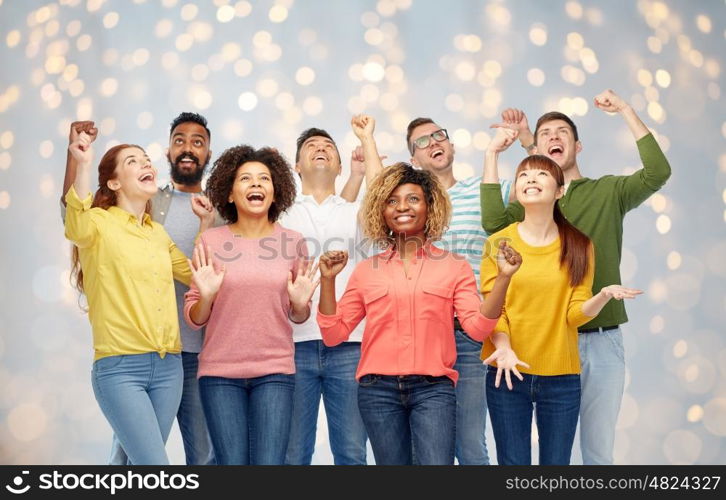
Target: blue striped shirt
x,y
465,235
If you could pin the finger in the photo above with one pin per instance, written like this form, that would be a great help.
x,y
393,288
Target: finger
x,y
209,255
521,363
517,374
289,279
499,377
195,257
498,125
315,269
489,359
508,377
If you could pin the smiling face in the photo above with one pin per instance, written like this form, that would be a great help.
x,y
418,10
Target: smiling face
x,y
252,191
438,156
318,154
135,177
556,140
538,181
188,153
406,210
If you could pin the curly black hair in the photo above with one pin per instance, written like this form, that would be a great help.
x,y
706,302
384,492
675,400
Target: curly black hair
x,y
221,180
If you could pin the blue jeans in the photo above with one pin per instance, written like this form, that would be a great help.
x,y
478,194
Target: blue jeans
x,y
603,381
330,372
192,424
139,395
556,404
403,413
471,402
248,418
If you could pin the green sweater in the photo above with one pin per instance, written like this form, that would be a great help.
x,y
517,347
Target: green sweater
x,y
596,207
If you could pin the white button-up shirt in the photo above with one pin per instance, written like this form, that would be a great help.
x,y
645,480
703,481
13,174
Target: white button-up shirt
x,y
330,225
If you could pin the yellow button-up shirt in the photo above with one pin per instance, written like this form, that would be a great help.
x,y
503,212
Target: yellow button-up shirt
x,y
128,278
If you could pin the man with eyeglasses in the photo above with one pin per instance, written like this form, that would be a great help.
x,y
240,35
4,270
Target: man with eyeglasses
x,y
432,150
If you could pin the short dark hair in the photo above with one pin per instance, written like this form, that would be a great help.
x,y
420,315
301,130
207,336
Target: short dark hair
x,y
222,178
555,115
312,132
411,126
186,117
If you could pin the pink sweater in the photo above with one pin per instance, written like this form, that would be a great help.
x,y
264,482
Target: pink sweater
x,y
248,332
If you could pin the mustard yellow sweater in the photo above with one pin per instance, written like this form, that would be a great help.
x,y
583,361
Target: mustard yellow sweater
x,y
542,310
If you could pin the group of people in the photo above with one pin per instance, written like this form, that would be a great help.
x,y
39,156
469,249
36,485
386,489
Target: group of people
x,y
237,308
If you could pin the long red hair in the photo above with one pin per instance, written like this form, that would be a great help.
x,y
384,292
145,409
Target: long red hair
x,y
104,198
574,244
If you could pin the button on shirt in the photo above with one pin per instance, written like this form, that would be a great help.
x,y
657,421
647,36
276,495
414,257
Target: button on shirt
x,y
128,278
409,318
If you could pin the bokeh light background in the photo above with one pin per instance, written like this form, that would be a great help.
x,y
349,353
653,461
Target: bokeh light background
x,y
263,71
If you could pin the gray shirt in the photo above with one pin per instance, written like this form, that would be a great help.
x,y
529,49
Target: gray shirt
x,y
183,226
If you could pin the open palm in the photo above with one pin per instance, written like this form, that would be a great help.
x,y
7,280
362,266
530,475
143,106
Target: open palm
x,y
205,276
301,289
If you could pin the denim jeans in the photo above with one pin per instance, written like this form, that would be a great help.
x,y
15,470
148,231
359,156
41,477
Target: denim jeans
x,y
330,372
192,424
603,381
139,395
406,412
556,404
248,418
471,402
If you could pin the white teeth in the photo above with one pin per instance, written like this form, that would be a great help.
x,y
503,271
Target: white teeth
x,y
404,218
531,191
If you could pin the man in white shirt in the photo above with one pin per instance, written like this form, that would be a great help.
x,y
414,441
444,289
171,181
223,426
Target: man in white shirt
x,y
328,222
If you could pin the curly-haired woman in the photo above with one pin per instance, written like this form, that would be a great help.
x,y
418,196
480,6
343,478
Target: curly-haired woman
x,y
250,278
408,295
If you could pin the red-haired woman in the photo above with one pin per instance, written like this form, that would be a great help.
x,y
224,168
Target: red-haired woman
x,y
126,264
548,298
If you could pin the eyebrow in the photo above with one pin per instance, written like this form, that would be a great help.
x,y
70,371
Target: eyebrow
x,y
135,156
177,134
313,139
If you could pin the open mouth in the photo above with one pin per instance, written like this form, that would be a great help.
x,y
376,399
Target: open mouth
x,y
187,161
256,198
147,178
555,149
532,190
437,153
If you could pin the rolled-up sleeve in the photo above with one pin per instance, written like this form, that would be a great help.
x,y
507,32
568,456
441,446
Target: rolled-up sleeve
x,y
81,221
350,310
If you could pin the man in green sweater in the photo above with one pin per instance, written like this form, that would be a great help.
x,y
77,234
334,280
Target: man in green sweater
x,y
597,207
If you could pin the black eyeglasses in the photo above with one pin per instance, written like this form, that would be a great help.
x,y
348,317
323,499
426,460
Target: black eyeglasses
x,y
424,141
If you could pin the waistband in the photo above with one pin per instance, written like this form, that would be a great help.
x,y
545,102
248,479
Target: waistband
x,y
597,330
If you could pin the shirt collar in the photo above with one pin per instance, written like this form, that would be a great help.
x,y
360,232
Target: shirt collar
x,y
129,217
425,252
308,198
